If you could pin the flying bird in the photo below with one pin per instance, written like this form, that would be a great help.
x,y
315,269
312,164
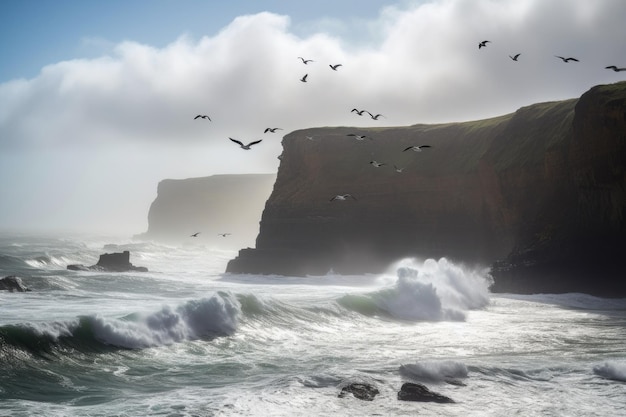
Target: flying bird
x,y
195,234
305,61
303,79
359,112
334,67
343,197
272,129
566,59
482,44
202,116
514,57
310,137
377,164
398,169
358,137
246,147
416,148
223,234
614,68
375,117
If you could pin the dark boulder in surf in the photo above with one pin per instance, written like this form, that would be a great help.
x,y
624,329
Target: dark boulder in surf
x,y
12,283
411,391
111,262
361,391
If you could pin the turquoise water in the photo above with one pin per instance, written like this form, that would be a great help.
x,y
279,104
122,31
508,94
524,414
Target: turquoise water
x,y
187,340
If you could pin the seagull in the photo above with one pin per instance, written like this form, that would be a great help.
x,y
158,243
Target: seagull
x,y
343,197
359,112
334,67
566,59
358,137
202,116
303,79
376,116
614,68
272,129
482,44
223,234
246,147
305,61
398,169
310,137
416,148
377,164
195,234
514,57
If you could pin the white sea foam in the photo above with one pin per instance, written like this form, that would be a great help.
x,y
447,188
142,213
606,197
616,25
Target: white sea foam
x,y
216,315
436,371
434,290
615,370
48,261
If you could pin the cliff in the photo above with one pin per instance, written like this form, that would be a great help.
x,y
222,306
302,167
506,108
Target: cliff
x,y
209,205
513,189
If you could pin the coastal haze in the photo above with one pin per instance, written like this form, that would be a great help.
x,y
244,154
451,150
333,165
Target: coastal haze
x,y
196,221
87,135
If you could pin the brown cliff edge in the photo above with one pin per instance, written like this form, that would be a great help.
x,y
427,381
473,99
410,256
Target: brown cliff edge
x,y
540,194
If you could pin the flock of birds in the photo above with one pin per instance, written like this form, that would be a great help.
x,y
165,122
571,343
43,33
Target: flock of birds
x,y
483,44
373,116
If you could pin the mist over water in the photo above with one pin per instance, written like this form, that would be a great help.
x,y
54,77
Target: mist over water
x,y
186,339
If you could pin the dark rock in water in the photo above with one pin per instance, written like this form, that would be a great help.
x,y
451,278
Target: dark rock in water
x,y
111,262
12,283
417,392
361,391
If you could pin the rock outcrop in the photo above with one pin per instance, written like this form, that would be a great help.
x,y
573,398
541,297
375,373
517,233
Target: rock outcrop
x,y
111,262
411,391
12,283
209,205
362,391
542,190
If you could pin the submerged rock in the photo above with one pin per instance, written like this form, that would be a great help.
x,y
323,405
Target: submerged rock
x,y
111,262
361,391
12,283
411,391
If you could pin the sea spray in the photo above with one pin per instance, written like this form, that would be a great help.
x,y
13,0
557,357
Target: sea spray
x,y
435,371
430,290
615,370
194,319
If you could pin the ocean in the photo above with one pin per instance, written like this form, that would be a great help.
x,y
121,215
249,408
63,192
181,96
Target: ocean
x,y
186,339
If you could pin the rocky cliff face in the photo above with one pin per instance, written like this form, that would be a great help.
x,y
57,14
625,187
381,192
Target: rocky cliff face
x,y
209,205
497,189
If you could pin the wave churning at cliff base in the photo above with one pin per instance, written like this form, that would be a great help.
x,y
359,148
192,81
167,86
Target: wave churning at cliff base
x,y
431,290
615,370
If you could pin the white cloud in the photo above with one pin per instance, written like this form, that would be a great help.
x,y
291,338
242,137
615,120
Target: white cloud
x,y
424,67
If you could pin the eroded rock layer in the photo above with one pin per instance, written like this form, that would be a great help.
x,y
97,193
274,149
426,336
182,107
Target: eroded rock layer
x,y
534,190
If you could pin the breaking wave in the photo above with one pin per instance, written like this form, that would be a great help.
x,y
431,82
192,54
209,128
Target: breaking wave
x,y
432,290
195,319
615,370
435,371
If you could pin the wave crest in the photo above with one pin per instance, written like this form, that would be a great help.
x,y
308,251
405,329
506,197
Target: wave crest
x,y
204,318
435,371
432,290
615,370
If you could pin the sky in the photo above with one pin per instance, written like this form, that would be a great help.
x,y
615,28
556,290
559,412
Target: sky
x,y
98,99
